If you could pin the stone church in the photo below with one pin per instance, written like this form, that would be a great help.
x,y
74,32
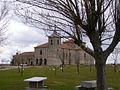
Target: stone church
x,y
54,52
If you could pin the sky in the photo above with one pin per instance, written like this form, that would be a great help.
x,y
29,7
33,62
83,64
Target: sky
x,y
20,38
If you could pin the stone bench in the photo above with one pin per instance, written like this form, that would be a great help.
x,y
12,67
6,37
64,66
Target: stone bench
x,y
84,88
88,85
36,83
41,88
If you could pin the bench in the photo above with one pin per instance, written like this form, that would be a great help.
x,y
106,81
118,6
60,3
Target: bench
x,y
88,85
36,83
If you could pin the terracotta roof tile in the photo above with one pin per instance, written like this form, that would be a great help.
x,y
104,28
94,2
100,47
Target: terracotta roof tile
x,y
45,45
69,44
27,53
66,46
69,41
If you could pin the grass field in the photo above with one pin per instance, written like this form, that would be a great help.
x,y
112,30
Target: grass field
x,y
67,80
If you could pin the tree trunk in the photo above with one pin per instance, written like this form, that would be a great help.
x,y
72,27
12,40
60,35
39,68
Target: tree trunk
x,y
78,71
101,76
115,67
62,67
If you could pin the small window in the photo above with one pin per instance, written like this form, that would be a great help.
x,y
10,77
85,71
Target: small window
x,y
51,42
40,52
84,55
58,42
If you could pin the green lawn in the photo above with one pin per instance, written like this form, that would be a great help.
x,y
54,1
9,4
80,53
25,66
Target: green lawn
x,y
67,80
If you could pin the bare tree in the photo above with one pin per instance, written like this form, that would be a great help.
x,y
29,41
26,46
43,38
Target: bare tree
x,y
98,20
3,20
77,58
61,56
115,57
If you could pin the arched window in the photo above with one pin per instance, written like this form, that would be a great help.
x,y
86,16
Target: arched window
x,y
41,61
45,61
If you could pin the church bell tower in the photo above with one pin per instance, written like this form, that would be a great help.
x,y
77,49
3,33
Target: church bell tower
x,y
54,40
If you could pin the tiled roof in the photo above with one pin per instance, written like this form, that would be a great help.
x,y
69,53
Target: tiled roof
x,y
27,53
69,41
45,45
66,46
69,44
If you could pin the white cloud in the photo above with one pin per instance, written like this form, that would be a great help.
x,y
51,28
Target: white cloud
x,y
20,38
24,34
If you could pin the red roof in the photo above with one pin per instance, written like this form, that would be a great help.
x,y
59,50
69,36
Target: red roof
x,y
69,41
45,45
27,53
66,46
69,44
